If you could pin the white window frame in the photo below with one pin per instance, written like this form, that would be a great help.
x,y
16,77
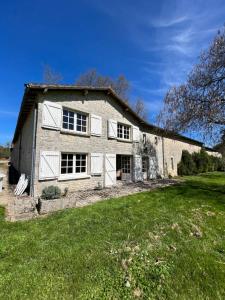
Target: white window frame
x,y
123,128
74,174
75,122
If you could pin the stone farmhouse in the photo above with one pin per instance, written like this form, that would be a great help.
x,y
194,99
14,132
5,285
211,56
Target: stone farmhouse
x,y
85,138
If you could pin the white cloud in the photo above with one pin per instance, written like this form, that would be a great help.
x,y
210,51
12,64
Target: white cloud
x,y
8,113
160,23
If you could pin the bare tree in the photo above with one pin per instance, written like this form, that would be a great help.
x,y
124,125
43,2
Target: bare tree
x,y
50,76
140,109
92,78
120,85
199,104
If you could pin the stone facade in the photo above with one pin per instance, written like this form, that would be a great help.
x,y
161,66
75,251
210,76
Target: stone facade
x,y
163,159
21,157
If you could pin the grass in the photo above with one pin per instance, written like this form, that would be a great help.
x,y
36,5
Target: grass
x,y
165,244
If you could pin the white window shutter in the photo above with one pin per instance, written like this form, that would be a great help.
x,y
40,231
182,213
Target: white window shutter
x,y
96,125
49,165
138,176
112,129
110,169
136,134
51,115
96,163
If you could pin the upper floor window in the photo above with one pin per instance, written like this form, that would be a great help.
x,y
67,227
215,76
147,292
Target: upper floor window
x,y
156,140
74,121
123,131
144,138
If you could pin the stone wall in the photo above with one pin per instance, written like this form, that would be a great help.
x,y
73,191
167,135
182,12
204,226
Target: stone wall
x,y
173,149
21,156
97,103
21,208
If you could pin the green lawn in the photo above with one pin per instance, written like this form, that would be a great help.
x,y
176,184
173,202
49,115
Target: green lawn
x,y
165,244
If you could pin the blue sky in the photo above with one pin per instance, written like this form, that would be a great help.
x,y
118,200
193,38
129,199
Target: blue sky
x,y
153,43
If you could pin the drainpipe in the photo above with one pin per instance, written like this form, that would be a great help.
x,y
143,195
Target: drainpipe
x,y
20,148
32,177
163,156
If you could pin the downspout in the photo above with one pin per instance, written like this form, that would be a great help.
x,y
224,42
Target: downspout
x,y
163,156
20,148
32,177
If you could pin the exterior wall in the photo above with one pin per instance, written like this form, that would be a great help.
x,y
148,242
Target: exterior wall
x,y
174,148
215,154
96,103
156,157
106,107
21,156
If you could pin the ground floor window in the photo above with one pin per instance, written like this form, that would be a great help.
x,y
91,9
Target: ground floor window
x,y
144,164
73,163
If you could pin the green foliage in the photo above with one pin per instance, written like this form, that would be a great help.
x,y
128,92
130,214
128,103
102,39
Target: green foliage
x,y
187,165
143,246
199,162
51,192
4,152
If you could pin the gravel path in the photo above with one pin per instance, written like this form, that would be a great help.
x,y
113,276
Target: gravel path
x,y
84,198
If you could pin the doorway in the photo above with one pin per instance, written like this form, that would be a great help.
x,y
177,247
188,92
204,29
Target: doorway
x,y
123,167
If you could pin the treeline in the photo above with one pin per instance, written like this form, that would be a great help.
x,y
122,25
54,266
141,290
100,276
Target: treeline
x,y
199,162
4,152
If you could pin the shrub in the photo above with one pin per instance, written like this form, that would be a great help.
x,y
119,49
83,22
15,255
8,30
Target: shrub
x,y
202,161
51,192
187,165
199,162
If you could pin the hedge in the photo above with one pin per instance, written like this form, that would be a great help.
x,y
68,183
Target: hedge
x,y
199,162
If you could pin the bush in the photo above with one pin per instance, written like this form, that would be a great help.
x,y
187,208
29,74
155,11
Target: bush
x,y
199,162
51,192
202,161
187,165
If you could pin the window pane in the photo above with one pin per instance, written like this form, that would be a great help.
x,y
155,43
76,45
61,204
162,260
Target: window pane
x,y
66,163
81,122
68,119
70,170
81,163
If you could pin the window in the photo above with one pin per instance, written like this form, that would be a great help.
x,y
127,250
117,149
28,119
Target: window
x,y
73,163
144,138
123,131
68,119
156,140
80,163
81,122
144,164
66,163
74,121
172,163
125,164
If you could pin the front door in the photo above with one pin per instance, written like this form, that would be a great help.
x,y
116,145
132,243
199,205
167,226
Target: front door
x,y
145,168
110,169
